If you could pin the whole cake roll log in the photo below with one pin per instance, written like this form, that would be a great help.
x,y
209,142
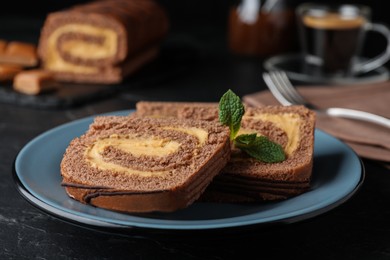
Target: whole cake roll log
x,y
102,41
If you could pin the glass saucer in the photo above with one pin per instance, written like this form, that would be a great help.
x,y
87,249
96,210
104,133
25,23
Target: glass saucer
x,y
294,66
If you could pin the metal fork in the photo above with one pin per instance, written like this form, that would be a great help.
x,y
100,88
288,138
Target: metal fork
x,y
281,87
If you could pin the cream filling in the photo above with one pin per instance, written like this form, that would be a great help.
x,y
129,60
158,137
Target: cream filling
x,y
199,133
288,122
79,48
151,146
136,146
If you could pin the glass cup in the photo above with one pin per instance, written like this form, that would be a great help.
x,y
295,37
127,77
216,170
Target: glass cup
x,y
332,38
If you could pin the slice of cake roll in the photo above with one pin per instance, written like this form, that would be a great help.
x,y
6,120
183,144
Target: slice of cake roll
x,y
134,164
102,41
245,178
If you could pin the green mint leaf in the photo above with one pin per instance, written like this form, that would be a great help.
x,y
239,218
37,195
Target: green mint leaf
x,y
260,148
231,111
246,139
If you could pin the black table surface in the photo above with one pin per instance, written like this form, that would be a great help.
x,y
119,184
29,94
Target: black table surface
x,y
189,70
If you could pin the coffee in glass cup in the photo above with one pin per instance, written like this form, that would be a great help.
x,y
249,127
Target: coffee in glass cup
x,y
332,38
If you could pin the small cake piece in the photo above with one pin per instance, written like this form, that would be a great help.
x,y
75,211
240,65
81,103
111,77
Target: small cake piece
x,y
3,45
34,82
134,164
18,53
244,178
8,71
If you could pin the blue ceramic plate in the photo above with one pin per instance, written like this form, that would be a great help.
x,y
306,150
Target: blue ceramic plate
x,y
337,175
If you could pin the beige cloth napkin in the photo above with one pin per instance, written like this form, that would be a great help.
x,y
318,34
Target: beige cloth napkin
x,y
368,140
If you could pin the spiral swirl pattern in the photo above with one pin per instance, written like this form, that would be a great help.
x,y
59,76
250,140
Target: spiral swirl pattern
x,y
145,156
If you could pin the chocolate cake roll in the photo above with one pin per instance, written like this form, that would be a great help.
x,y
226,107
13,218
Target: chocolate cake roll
x,y
102,41
134,164
245,178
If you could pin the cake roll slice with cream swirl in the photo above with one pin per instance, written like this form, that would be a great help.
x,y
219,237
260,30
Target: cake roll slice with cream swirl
x,y
245,179
102,41
135,164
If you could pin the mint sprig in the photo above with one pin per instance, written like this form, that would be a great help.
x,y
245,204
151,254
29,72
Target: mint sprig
x,y
261,148
231,111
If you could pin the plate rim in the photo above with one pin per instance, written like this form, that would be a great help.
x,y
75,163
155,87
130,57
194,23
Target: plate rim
x,y
81,218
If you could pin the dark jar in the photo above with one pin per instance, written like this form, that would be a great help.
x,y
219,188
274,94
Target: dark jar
x,y
262,28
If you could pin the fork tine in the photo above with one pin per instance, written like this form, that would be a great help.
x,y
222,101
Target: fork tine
x,y
280,85
288,87
271,84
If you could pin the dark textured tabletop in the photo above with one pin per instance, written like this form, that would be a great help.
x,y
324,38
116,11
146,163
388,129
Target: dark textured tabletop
x,y
189,69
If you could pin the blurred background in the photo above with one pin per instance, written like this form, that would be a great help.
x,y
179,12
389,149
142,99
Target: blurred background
x,y
205,22
197,45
